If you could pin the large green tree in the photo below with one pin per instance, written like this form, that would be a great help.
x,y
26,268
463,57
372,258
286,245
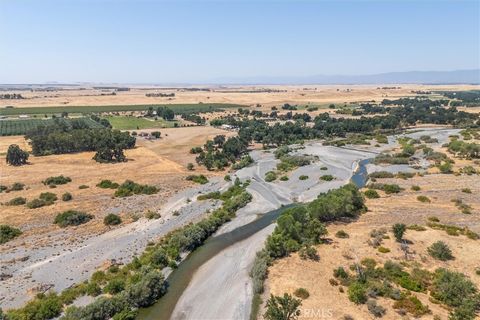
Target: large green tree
x,y
16,156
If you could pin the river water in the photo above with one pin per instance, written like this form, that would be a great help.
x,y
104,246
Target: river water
x,y
180,278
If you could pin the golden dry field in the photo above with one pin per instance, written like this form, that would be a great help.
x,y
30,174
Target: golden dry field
x,y
291,273
247,95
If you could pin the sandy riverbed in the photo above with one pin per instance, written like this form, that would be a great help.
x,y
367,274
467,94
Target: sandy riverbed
x,y
221,288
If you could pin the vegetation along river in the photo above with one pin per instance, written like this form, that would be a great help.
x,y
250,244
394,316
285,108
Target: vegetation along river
x,y
180,278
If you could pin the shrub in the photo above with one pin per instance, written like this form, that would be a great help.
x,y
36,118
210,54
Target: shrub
x,y
46,306
405,175
344,202
342,234
270,176
327,177
112,220
18,201
83,187
383,250
190,166
467,190
377,310
411,305
381,174
102,308
114,286
301,293
440,250
17,186
452,288
145,292
340,273
56,180
67,196
371,194
416,227
285,307
93,289
8,233
387,188
245,161
72,218
323,168
445,167
357,292
466,311
391,188
36,203
433,219
309,252
201,179
227,178
48,197
399,230
303,177
415,188
423,199
129,188
159,258
283,178
107,184
259,270
152,215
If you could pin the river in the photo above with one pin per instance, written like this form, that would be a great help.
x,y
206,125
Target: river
x,y
180,278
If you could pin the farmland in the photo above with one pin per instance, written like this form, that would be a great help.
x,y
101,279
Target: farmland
x,y
21,127
132,123
178,108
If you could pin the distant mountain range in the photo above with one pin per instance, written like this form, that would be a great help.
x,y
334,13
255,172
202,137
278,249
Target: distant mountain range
x,y
414,77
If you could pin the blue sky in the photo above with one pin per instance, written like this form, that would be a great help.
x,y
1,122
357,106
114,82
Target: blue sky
x,y
194,41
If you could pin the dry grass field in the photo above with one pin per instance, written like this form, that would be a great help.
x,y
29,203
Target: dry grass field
x,y
176,143
289,274
298,94
143,166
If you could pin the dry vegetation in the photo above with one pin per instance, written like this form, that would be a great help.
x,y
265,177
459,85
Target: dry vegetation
x,y
299,94
176,143
143,166
292,273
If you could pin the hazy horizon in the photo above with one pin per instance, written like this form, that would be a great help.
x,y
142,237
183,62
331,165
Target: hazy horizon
x,y
201,41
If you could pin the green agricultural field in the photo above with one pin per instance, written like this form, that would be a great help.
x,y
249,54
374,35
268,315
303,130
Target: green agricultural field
x,y
177,108
21,127
133,123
